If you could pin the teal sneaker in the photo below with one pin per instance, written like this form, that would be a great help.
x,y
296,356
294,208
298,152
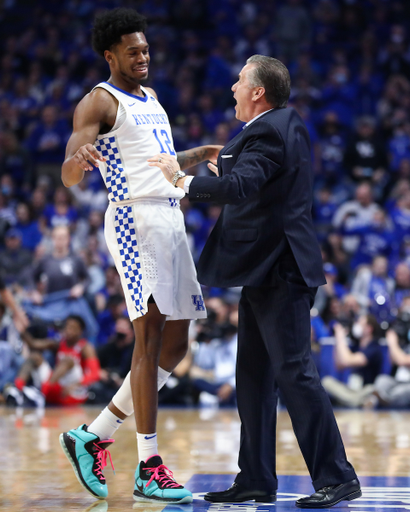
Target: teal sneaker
x,y
88,456
155,482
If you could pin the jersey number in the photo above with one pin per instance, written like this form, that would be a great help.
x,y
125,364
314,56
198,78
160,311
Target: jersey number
x,y
165,137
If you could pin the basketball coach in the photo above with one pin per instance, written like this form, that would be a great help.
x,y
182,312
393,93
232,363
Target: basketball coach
x,y
264,241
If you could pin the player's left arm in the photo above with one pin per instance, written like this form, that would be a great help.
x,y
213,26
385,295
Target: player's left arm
x,y
194,156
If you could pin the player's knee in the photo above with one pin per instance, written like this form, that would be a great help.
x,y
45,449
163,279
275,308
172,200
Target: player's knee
x,y
181,348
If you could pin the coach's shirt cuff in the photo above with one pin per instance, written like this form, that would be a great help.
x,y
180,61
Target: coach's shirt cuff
x,y
187,183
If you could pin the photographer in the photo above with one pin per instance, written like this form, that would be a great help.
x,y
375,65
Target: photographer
x,y
364,360
213,371
394,390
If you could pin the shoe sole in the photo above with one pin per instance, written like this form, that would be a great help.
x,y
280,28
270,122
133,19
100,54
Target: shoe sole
x,y
76,470
141,497
349,497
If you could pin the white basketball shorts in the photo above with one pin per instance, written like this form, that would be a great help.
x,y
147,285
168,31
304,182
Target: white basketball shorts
x,y
147,240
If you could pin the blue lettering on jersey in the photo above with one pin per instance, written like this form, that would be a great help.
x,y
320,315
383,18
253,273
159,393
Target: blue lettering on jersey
x,y
198,302
150,119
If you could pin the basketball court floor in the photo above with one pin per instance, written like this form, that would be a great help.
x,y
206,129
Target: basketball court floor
x,y
200,446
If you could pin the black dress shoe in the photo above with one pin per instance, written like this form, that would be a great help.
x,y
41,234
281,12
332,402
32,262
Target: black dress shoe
x,y
330,495
237,494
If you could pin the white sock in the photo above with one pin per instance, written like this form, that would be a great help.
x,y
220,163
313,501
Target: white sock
x,y
163,376
105,425
123,397
147,445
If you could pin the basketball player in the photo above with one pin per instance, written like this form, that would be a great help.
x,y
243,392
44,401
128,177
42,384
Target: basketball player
x,y
116,128
77,364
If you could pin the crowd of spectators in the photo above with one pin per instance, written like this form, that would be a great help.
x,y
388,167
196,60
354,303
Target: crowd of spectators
x,y
350,67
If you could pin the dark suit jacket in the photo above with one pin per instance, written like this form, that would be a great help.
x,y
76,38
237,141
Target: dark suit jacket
x,y
265,183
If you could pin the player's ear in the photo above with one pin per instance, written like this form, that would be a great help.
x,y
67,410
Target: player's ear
x,y
108,56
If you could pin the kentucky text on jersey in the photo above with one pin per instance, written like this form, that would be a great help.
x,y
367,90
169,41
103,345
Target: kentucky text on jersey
x,y
150,118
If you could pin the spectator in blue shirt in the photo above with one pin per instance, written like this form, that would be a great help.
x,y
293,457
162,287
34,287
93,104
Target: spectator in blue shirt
x,y
324,209
400,215
374,289
61,212
402,284
332,141
339,94
375,238
47,143
107,319
29,228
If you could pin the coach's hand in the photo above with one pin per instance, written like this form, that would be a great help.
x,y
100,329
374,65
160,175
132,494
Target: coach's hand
x,y
87,157
167,163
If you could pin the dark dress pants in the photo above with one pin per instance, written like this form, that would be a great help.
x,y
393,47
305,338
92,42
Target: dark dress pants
x,y
274,352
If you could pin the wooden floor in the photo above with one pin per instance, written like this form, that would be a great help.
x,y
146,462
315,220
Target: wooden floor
x,y
35,475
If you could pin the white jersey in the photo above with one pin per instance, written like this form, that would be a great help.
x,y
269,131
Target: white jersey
x,y
144,133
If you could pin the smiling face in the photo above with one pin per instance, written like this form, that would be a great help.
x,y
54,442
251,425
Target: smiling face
x,y
129,60
243,94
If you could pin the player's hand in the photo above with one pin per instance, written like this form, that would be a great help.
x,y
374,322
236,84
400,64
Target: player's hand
x,y
87,157
167,163
213,152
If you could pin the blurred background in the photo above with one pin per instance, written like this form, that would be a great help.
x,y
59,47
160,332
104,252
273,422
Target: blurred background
x,y
349,62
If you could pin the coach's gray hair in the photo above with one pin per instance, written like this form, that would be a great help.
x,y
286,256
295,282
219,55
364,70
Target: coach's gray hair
x,y
273,76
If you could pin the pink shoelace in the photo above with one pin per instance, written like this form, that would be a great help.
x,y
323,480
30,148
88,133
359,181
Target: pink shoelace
x,y
102,457
163,475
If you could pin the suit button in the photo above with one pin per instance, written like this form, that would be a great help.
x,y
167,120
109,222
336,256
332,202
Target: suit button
x,y
209,195
197,195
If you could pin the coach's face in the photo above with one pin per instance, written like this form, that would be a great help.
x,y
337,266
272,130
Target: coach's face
x,y
243,94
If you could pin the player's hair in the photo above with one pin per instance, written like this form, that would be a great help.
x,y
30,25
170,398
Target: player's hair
x,y
77,318
273,76
109,26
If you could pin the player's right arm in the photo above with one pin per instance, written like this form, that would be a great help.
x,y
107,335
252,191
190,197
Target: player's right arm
x,y
94,112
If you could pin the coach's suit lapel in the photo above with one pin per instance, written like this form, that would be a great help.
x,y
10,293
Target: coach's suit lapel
x,y
227,149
